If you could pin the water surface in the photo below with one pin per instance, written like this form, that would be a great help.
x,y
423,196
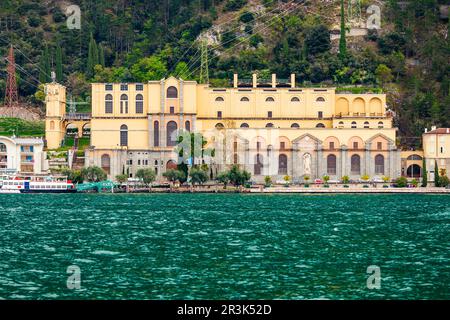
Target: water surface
x,y
224,246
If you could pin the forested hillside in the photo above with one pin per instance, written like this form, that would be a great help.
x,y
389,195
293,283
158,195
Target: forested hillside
x,y
141,40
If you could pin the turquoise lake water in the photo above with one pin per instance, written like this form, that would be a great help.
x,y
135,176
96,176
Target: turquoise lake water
x,y
224,246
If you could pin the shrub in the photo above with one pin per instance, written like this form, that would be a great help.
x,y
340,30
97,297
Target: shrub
x,y
246,17
401,182
267,181
345,179
444,181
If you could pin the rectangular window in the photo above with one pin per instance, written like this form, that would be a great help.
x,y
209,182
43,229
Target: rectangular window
x,y
269,114
282,145
172,110
139,87
123,87
332,145
235,146
108,87
355,145
379,145
258,146
219,114
139,162
320,114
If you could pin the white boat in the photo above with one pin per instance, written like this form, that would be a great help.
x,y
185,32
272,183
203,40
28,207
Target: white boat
x,y
37,184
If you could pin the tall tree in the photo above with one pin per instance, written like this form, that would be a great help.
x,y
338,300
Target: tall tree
x,y
342,39
436,174
59,64
424,173
44,67
101,56
92,57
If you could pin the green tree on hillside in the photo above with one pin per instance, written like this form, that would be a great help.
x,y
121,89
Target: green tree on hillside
x,y
92,58
342,39
59,64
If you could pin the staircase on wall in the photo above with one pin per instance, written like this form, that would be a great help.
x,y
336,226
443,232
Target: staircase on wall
x,y
78,162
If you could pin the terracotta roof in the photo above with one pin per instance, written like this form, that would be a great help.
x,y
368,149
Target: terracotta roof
x,y
439,131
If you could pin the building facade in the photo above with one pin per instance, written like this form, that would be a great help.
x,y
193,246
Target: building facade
x,y
271,128
436,149
23,155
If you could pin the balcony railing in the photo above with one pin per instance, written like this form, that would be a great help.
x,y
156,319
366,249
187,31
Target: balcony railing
x,y
78,116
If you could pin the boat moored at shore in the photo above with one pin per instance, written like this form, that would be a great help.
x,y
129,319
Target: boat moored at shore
x,y
37,184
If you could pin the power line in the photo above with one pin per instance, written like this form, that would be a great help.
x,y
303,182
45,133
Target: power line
x,y
287,11
35,64
228,31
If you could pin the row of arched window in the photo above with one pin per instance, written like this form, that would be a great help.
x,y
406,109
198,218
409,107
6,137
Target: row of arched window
x,y
109,103
270,99
172,92
354,125
268,125
355,164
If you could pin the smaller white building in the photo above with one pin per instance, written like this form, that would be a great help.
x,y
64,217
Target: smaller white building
x,y
25,155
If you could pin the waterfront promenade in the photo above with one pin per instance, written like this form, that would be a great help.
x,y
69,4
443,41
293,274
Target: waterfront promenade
x,y
294,189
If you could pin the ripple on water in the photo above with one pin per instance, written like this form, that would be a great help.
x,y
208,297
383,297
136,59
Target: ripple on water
x,y
217,246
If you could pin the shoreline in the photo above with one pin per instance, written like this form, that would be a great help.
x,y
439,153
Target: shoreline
x,y
284,190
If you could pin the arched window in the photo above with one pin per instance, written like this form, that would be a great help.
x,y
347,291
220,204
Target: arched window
x,y
295,126
139,103
3,147
52,125
172,92
244,125
320,99
123,135
171,165
354,126
106,163
220,99
171,133
108,103
219,126
295,99
269,125
320,125
380,125
258,164
282,164
124,103
245,99
156,133
414,157
355,165
270,99
366,125
331,164
379,164
187,126
341,124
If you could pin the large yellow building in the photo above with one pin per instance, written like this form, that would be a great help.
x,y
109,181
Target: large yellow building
x,y
270,128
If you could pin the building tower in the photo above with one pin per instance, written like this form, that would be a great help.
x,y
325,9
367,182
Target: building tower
x,y
55,102
11,95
